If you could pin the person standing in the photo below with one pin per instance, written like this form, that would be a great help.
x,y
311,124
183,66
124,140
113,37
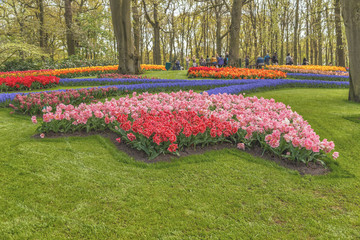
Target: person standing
x,y
194,61
247,62
187,62
289,60
220,61
226,59
202,61
260,62
177,63
213,61
274,59
208,61
305,61
267,59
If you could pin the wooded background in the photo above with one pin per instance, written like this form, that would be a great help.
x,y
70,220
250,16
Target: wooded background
x,y
173,29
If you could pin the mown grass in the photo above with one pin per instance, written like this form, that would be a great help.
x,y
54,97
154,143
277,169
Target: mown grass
x,y
171,74
84,188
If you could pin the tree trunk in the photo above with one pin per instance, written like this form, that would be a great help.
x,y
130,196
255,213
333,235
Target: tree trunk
x,y
42,34
351,16
296,32
307,30
320,43
120,13
253,16
339,38
235,32
69,31
136,17
218,32
157,52
330,33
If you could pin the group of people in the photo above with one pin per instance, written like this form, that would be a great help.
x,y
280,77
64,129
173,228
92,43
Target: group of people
x,y
263,61
220,61
215,61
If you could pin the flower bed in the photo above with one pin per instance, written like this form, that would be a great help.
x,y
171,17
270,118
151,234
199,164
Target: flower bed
x,y
106,81
67,72
258,85
314,69
211,86
150,67
27,83
34,103
165,123
234,73
308,76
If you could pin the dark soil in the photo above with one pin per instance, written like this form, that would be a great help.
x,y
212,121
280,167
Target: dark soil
x,y
310,168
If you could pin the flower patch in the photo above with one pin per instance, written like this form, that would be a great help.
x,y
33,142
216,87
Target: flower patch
x,y
166,123
313,69
66,72
151,67
234,73
27,83
34,103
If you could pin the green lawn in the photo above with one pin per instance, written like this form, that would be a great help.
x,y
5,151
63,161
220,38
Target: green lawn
x,y
171,74
83,188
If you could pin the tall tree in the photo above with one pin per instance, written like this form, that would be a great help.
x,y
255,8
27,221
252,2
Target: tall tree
x,y
234,46
339,38
319,37
155,23
136,17
121,12
296,32
69,29
42,34
351,16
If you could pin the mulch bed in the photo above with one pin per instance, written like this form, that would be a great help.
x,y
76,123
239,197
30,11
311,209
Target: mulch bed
x,y
310,168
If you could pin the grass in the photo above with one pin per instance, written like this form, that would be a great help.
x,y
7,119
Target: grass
x,y
171,74
83,188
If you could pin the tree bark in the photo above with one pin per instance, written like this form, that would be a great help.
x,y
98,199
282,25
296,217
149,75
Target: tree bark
x,y
330,33
351,16
253,16
339,38
234,49
218,32
296,32
218,17
120,12
307,30
320,43
43,42
69,31
157,52
136,17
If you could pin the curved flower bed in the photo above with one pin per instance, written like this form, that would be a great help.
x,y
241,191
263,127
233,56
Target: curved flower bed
x,y
211,86
35,102
314,69
66,72
327,77
231,72
165,123
76,72
27,83
106,81
150,67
